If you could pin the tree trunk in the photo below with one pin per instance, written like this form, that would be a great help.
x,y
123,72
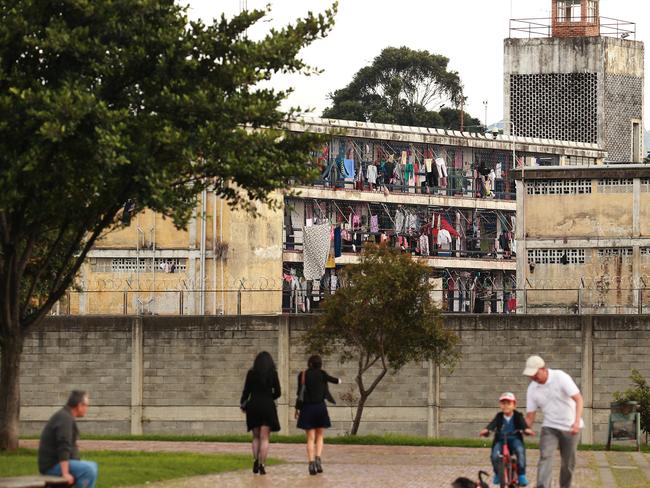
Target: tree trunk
x,y
11,348
357,416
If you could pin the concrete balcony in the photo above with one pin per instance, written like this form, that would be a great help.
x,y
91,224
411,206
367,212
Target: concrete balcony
x,y
405,199
439,262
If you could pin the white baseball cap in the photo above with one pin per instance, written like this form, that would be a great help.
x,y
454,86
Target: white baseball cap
x,y
533,364
508,396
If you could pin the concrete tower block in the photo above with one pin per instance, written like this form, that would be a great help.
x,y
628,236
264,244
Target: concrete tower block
x,y
583,83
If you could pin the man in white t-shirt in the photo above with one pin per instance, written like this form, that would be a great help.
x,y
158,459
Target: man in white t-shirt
x,y
555,394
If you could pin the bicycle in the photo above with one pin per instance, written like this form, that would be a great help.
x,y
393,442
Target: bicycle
x,y
507,470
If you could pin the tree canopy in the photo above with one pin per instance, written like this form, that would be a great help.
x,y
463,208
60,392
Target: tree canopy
x,y
384,318
108,107
406,87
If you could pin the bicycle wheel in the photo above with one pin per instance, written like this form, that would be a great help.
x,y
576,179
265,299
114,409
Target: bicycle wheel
x,y
513,475
503,473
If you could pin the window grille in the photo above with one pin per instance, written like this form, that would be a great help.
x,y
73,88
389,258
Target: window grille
x,y
615,252
612,185
580,161
131,265
645,251
556,256
645,184
558,187
561,106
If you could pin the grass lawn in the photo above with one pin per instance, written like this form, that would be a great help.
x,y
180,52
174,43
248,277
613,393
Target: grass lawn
x,y
134,468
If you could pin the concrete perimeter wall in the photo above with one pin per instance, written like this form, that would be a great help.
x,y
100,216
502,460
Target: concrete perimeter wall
x,y
183,375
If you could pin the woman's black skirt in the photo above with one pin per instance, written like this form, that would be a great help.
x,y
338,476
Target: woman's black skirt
x,y
262,411
314,416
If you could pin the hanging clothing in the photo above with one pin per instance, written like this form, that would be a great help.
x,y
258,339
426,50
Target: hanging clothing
x,y
338,245
400,220
441,168
316,250
424,245
371,174
349,169
444,238
374,224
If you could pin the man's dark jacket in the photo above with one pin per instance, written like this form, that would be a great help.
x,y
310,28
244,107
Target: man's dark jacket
x,y
497,424
58,440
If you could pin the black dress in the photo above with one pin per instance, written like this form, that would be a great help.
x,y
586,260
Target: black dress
x,y
313,410
259,399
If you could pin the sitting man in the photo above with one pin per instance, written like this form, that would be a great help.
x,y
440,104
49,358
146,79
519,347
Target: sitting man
x,y
58,453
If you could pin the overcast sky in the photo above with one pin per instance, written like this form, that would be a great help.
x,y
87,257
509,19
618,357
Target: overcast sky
x,y
469,32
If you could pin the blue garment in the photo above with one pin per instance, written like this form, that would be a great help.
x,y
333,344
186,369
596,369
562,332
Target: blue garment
x,y
84,472
349,169
516,446
337,242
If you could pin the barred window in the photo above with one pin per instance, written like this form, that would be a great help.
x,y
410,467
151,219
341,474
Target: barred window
x,y
612,185
558,187
131,265
645,184
556,256
615,252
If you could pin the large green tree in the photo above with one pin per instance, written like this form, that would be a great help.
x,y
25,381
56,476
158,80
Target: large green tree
x,y
108,102
407,87
383,319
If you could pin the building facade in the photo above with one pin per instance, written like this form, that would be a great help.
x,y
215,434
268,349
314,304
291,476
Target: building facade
x,y
584,240
578,78
446,197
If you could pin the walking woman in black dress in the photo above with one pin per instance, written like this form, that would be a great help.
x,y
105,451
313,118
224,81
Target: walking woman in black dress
x,y
311,410
261,388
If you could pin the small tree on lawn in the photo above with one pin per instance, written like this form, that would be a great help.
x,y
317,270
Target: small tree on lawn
x,y
381,320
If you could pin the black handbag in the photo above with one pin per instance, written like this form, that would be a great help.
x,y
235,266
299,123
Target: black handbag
x,y
302,389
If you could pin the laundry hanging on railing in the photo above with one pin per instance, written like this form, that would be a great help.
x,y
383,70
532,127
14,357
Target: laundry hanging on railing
x,y
316,250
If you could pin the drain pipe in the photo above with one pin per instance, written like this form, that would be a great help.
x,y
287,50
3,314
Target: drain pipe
x,y
203,226
221,258
214,251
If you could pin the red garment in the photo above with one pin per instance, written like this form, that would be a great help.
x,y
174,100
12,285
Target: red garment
x,y
444,225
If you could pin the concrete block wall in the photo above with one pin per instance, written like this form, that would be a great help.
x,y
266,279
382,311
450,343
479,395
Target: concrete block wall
x,y
184,375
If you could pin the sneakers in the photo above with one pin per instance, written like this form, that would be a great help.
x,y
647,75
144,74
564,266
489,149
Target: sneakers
x,y
522,480
319,465
495,480
312,468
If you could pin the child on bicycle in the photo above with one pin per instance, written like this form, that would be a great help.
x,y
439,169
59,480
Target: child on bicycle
x,y
511,423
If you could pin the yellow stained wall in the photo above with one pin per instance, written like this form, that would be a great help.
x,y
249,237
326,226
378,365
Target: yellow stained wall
x,y
152,226
608,280
582,216
247,279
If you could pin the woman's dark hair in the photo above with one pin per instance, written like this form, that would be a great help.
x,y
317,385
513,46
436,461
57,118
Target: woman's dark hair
x,y
315,362
264,367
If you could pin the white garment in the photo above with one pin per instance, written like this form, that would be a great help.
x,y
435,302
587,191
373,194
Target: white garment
x,y
371,174
441,166
428,163
444,237
553,399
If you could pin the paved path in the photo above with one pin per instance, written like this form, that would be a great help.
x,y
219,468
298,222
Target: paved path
x,y
358,466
